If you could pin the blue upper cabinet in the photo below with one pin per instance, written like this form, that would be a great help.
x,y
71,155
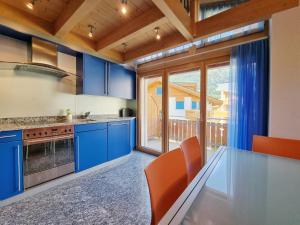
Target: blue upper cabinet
x,y
102,78
92,72
11,167
121,82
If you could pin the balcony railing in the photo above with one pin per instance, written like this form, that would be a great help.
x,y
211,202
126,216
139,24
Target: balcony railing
x,y
181,129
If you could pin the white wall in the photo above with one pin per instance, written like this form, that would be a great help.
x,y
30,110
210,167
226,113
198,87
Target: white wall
x,y
285,75
31,94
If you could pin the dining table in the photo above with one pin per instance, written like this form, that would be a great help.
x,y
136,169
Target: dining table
x,y
240,187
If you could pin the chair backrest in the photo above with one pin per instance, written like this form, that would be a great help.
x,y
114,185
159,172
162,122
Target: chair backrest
x,y
277,146
193,156
167,179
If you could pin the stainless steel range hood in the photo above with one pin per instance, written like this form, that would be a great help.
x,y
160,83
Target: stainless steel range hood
x,y
43,59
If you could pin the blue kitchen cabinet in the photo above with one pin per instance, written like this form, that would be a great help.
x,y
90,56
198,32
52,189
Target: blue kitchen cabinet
x,y
11,166
92,72
118,139
90,145
121,82
132,134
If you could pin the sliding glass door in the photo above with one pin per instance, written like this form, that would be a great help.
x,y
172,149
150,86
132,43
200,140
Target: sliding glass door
x,y
151,113
184,106
187,101
217,107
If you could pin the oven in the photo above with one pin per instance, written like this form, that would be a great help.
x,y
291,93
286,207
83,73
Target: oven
x,y
48,153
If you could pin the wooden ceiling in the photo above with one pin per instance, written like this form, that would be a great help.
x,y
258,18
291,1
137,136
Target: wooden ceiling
x,y
67,22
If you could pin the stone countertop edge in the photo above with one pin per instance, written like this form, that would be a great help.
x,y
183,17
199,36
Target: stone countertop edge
x,y
14,127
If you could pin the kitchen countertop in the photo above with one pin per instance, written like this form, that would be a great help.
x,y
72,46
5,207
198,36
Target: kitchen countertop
x,y
10,125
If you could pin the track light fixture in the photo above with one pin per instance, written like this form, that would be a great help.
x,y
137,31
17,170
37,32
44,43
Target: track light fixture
x,y
124,7
124,45
91,33
30,5
157,34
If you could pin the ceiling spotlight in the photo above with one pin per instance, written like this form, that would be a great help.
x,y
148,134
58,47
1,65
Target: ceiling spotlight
x,y
157,34
91,33
124,6
124,47
30,5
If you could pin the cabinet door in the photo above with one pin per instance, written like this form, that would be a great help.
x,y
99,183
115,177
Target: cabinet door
x,y
94,75
118,139
90,149
11,172
121,82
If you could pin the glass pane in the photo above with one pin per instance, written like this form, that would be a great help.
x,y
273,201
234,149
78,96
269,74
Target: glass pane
x,y
45,156
217,108
210,8
184,107
151,105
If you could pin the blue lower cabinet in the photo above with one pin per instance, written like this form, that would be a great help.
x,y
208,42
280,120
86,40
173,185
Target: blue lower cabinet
x,y
11,166
90,145
118,139
132,134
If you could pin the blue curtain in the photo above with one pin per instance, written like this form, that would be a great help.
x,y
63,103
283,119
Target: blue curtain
x,y
249,88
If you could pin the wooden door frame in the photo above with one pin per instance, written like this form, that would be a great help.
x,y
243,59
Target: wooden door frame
x,y
139,116
201,65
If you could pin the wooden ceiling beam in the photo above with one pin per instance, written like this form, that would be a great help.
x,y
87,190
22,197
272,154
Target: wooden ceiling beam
x,y
177,15
73,13
137,26
166,42
241,15
25,23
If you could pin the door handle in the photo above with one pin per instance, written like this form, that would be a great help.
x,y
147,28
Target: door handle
x,y
78,155
19,169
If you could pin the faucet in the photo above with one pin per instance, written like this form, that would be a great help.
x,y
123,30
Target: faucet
x,y
86,115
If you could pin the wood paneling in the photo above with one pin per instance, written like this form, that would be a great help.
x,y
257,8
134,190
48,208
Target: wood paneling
x,y
47,10
23,22
142,40
153,46
72,14
106,17
137,27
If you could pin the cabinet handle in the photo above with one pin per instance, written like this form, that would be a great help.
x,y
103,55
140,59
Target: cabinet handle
x,y
8,136
78,161
108,70
19,170
118,124
105,84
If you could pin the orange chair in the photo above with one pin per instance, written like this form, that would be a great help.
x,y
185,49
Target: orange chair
x,y
167,179
193,156
277,146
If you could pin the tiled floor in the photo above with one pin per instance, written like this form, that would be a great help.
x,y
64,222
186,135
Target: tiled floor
x,y
111,195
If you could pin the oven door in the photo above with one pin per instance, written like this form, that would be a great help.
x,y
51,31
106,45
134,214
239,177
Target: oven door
x,y
47,158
